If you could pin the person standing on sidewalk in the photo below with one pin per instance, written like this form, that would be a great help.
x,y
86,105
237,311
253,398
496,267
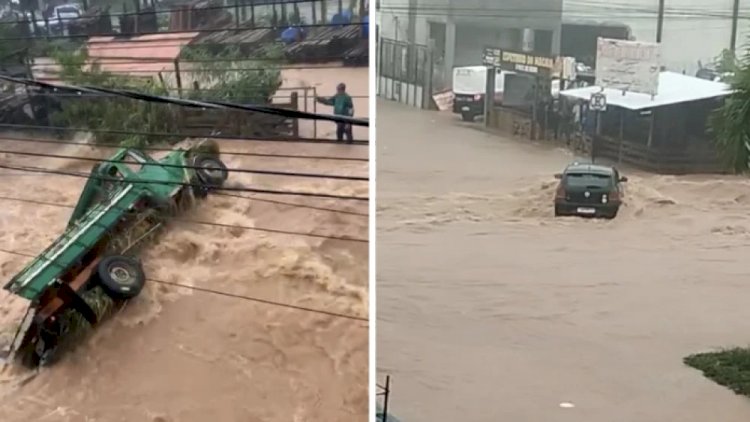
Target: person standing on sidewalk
x,y
342,106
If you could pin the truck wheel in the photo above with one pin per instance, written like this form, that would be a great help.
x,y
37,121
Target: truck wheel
x,y
467,117
199,189
121,277
211,171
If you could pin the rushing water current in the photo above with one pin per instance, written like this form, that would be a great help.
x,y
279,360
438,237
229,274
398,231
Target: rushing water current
x,y
489,308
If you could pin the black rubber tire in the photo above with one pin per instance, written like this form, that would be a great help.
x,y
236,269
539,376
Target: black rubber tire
x,y
211,171
121,277
611,215
558,212
199,189
467,117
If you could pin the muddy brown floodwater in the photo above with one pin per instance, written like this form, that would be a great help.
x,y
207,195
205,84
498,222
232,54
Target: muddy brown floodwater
x,y
180,355
491,309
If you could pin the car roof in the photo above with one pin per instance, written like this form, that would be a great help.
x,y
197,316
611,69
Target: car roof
x,y
589,168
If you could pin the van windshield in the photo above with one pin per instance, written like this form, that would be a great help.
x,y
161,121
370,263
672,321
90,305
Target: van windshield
x,y
588,180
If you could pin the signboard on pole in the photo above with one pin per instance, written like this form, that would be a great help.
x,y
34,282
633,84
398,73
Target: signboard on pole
x,y
598,102
628,65
529,64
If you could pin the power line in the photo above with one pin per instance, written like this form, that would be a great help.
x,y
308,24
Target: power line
x,y
208,91
228,294
156,60
157,149
179,135
135,72
565,12
264,301
249,198
281,3
293,204
221,105
157,164
205,223
198,31
140,181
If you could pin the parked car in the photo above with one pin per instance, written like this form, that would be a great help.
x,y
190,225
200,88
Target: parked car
x,y
589,190
61,16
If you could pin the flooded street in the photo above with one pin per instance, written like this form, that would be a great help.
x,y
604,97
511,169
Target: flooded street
x,y
489,308
185,355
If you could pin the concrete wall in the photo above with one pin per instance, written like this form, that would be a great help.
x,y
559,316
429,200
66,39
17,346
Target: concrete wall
x,y
471,40
474,25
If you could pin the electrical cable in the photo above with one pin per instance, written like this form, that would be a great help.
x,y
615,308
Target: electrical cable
x,y
525,11
293,204
140,181
186,32
249,198
181,166
131,61
566,11
273,5
180,135
61,95
4,138
228,294
206,223
193,103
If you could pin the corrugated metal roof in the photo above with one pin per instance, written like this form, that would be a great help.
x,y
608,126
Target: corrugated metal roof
x,y
139,55
674,88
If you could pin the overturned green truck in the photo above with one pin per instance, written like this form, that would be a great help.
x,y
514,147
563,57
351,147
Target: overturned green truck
x,y
91,268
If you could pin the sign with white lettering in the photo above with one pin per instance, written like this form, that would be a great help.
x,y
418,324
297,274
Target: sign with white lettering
x,y
628,65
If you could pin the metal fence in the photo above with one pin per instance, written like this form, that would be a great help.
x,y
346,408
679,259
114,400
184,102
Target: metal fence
x,y
405,72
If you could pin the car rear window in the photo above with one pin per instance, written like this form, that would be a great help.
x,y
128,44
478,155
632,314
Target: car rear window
x,y
588,180
67,9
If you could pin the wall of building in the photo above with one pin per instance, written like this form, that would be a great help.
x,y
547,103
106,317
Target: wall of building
x,y
471,41
466,27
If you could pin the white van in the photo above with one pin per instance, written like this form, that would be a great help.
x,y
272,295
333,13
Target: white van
x,y
469,86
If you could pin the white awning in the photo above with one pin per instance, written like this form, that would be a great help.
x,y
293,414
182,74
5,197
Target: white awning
x,y
674,88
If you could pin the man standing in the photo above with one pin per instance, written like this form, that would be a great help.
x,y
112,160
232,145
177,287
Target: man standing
x,y
342,106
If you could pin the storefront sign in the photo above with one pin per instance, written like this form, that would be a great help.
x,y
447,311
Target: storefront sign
x,y
518,62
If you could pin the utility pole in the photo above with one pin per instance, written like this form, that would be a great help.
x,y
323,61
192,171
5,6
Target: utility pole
x,y
660,21
735,17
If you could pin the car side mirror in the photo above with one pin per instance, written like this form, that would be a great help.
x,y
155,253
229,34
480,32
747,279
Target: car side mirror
x,y
558,176
623,179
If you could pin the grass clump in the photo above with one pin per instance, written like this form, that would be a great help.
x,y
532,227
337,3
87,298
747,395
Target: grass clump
x,y
729,367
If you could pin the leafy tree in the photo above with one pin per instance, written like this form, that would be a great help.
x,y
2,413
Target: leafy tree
x,y
727,64
229,75
111,113
731,122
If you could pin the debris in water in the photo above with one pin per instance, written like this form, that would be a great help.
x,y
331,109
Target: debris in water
x,y
566,405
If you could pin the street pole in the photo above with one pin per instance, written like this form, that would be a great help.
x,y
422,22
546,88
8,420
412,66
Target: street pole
x,y
660,21
735,17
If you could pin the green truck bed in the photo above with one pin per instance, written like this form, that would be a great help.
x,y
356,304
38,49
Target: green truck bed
x,y
90,221
73,243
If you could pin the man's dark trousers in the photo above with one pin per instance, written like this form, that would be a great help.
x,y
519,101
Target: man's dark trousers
x,y
344,129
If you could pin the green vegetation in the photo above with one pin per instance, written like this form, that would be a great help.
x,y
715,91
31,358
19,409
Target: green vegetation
x,y
111,113
731,122
730,368
727,62
252,82
228,75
